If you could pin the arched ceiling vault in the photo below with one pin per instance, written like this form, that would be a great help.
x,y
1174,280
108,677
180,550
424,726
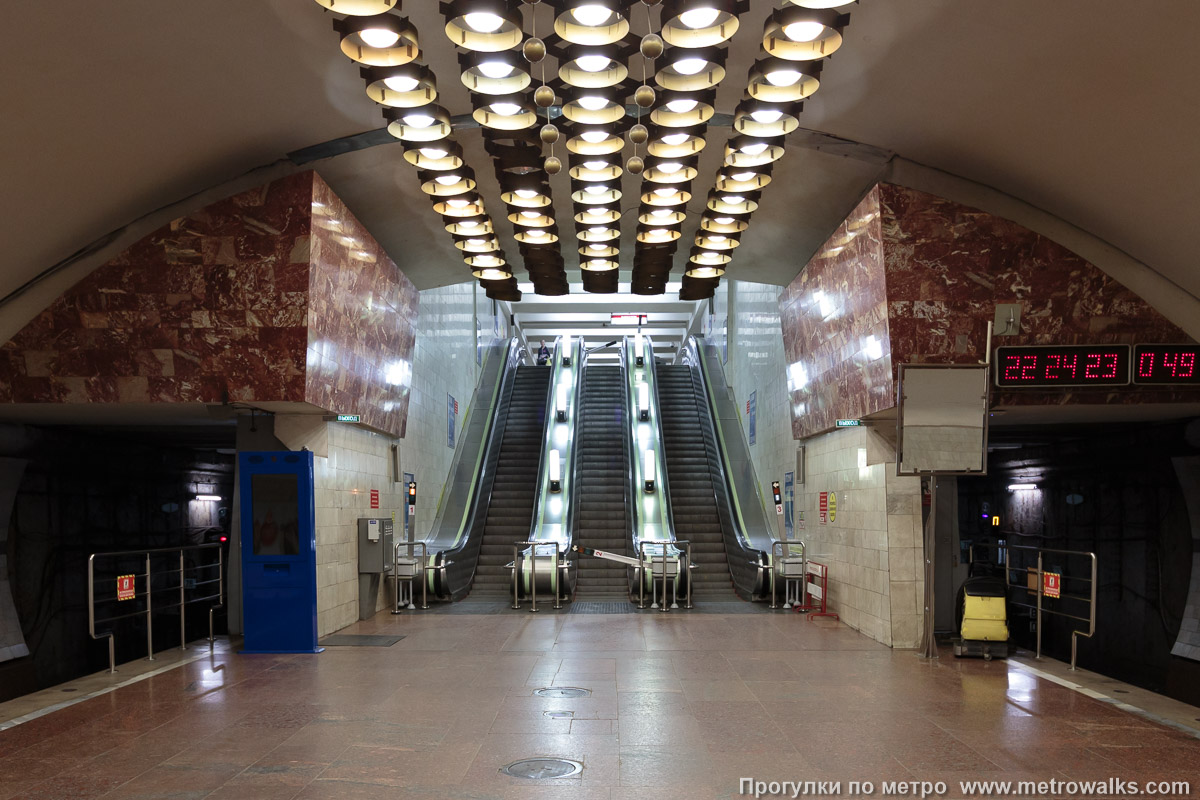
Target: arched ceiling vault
x,y
1081,112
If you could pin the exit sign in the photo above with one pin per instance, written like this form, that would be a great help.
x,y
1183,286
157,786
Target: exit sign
x,y
349,418
850,423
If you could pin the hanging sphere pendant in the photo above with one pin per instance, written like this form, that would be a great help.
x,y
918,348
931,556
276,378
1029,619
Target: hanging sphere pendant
x,y
534,50
644,96
549,133
543,96
652,46
552,165
635,165
638,134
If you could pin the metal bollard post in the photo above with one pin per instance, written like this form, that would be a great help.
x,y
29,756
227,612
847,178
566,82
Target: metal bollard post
x,y
516,575
533,578
149,618
182,606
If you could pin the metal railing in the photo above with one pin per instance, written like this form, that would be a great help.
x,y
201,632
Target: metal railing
x,y
780,552
1039,608
556,572
149,590
683,560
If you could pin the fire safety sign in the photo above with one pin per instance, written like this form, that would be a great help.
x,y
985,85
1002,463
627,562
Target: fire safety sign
x,y
125,588
1052,584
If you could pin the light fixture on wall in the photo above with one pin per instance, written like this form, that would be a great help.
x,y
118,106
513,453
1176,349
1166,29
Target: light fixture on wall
x,y
427,123
486,26
591,22
500,73
404,86
644,402
648,465
359,8
555,471
381,40
1022,487
216,498
700,23
796,33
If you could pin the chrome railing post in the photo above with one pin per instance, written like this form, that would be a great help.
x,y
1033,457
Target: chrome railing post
x,y
182,606
533,578
689,573
516,576
663,607
220,595
1091,616
149,620
1039,605
556,578
774,567
641,574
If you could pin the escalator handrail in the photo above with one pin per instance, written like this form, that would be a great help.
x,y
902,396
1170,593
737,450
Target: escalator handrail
x,y
741,529
476,502
635,454
541,487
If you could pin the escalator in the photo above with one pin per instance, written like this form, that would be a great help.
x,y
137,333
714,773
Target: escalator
x,y
601,520
688,445
510,512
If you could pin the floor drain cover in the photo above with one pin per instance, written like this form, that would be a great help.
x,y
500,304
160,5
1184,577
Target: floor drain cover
x,y
562,691
543,768
559,714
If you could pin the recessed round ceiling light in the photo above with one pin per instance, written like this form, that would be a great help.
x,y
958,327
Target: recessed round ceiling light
x,y
733,199
723,220
592,15
483,22
379,37
681,106
433,152
716,238
766,115
669,167
525,194
469,223
536,233
419,120
593,63
530,214
661,212
506,109
659,232
699,17
598,229
595,165
593,137
595,189
754,148
458,202
597,247
400,83
447,180
743,176
592,102
804,31
783,77
675,138
689,66
666,192
495,70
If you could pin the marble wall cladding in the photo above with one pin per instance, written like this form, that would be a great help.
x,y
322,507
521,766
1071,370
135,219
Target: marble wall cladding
x,y
949,265
358,461
872,546
245,300
210,306
834,318
362,316
756,364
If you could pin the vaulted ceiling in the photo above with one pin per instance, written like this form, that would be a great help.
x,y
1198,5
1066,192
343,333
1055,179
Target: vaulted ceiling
x,y
1086,109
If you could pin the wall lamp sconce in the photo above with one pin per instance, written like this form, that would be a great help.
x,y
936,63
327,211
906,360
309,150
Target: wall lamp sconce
x,y
555,471
1022,487
648,469
213,497
643,402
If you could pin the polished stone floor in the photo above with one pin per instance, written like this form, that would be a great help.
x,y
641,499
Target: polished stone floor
x,y
682,705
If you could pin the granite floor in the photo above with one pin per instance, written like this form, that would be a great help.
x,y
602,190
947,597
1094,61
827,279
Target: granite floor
x,y
681,705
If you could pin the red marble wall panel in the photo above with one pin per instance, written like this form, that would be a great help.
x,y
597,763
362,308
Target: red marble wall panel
x,y
835,327
949,265
227,303
211,306
362,321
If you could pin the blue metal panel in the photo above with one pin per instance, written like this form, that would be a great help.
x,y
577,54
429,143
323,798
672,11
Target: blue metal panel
x,y
279,552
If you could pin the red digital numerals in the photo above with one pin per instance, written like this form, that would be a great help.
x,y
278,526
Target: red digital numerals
x,y
1063,366
1164,364
1167,365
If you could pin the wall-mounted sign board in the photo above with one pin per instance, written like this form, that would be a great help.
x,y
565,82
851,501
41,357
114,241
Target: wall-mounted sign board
x,y
349,418
1062,365
850,423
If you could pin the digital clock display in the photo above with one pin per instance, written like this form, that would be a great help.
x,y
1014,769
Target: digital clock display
x,y
1062,365
1166,363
